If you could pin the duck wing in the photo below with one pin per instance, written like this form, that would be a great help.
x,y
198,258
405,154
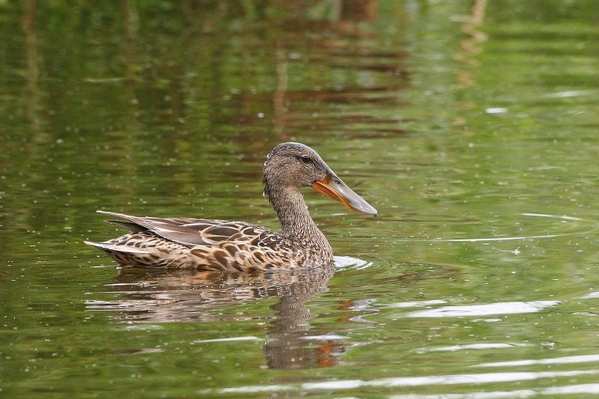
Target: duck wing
x,y
193,232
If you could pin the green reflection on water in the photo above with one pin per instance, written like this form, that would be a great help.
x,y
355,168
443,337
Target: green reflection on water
x,y
467,128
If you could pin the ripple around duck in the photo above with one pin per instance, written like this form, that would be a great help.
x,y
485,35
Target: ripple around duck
x,y
347,262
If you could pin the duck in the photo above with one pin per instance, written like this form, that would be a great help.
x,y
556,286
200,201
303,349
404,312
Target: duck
x,y
214,245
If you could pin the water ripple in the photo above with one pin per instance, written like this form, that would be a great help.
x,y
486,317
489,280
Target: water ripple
x,y
575,229
580,389
499,308
347,262
480,346
557,360
452,379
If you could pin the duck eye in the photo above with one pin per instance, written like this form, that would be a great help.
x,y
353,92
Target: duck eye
x,y
305,159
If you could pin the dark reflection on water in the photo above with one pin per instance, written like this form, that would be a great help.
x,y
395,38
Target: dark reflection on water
x,y
163,296
472,125
154,296
291,343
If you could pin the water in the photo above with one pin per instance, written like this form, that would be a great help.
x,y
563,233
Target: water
x,y
470,126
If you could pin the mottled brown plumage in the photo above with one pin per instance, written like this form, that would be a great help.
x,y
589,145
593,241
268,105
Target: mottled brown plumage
x,y
219,245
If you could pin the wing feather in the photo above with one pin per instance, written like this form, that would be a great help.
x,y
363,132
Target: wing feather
x,y
193,232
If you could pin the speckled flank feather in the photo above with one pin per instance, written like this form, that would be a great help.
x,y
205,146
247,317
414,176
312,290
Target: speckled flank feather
x,y
218,245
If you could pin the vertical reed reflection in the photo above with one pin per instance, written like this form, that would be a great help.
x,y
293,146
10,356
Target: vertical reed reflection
x,y
131,23
31,54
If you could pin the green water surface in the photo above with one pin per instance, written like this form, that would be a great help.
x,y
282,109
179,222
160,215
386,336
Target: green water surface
x,y
472,126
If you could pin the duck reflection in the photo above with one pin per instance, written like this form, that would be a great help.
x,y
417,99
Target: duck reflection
x,y
291,342
167,296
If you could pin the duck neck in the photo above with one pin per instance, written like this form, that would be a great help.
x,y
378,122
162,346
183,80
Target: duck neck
x,y
295,219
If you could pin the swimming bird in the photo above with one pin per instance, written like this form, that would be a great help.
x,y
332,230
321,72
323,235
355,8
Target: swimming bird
x,y
230,246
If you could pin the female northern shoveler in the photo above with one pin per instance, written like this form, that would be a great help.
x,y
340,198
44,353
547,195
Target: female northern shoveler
x,y
219,245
